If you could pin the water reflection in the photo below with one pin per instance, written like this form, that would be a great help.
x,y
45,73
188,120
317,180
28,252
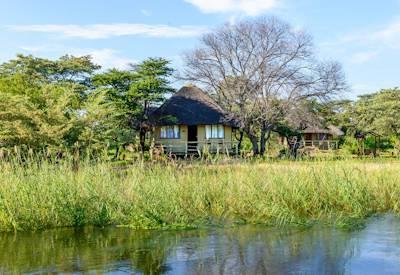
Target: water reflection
x,y
243,250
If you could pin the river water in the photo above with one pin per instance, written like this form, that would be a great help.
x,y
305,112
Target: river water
x,y
240,250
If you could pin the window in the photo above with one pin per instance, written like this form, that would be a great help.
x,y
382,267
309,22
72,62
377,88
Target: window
x,y
322,137
170,132
214,131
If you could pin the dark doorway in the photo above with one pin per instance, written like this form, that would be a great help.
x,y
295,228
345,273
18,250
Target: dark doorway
x,y
192,140
192,133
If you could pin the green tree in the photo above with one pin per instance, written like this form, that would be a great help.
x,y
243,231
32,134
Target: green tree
x,y
69,71
379,112
41,100
335,112
102,123
148,91
136,92
35,115
47,103
114,86
67,68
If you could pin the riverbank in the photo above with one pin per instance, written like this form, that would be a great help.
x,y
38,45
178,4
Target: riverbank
x,y
45,195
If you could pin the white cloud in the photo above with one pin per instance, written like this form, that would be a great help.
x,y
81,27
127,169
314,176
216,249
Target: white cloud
x,y
98,31
34,48
248,7
363,57
107,58
388,35
363,45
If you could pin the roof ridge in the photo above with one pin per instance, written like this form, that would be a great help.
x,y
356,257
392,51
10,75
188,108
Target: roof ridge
x,y
198,90
191,105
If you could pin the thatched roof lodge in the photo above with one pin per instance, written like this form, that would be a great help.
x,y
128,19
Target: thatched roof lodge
x,y
191,121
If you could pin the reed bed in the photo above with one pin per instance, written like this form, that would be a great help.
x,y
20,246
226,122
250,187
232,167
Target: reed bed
x,y
42,194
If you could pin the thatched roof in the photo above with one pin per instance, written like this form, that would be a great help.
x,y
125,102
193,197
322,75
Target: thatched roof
x,y
315,130
333,130
190,106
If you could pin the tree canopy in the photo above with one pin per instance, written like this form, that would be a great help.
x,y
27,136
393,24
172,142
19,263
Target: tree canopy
x,y
68,103
379,112
262,71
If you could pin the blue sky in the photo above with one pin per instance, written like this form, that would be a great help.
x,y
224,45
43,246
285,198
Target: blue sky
x,y
363,35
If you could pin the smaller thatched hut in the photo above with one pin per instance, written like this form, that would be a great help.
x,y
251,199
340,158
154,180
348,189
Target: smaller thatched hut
x,y
323,138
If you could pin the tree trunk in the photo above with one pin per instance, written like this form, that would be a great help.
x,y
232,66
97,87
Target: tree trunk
x,y
116,155
142,138
142,131
265,135
239,145
254,142
293,146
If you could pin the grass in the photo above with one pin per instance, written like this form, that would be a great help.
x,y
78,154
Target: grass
x,y
44,195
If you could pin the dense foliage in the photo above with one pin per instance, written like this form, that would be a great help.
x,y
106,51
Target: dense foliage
x,y
371,117
69,104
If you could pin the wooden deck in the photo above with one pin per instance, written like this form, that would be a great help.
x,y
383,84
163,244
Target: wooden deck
x,y
320,144
200,147
229,148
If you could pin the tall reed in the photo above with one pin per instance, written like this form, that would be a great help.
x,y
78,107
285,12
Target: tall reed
x,y
43,194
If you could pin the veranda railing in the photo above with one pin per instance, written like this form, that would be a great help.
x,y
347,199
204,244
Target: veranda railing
x,y
199,147
321,144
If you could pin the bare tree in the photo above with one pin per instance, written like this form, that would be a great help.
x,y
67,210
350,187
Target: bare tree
x,y
259,70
